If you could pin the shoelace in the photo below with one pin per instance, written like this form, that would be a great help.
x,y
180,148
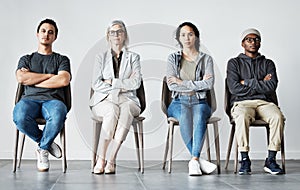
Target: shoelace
x,y
44,156
273,164
245,163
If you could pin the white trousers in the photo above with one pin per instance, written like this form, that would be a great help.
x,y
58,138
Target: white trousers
x,y
117,116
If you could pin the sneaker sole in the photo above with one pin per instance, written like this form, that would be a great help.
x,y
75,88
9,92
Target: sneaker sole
x,y
267,170
43,170
59,155
244,173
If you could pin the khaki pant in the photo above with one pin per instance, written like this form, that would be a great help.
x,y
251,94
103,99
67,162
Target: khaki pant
x,y
117,116
245,112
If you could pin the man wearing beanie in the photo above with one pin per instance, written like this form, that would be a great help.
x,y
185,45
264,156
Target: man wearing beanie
x,y
251,80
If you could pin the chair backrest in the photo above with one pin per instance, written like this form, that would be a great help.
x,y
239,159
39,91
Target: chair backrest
x,y
67,94
140,93
227,98
227,106
166,97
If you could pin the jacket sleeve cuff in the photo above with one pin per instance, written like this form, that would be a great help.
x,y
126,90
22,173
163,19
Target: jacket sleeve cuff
x,y
116,83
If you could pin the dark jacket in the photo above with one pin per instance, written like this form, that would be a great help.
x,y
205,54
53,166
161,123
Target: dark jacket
x,y
253,72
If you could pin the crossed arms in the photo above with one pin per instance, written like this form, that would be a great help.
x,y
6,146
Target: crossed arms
x,y
26,77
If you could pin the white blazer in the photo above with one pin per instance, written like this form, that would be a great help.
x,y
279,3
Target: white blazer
x,y
129,76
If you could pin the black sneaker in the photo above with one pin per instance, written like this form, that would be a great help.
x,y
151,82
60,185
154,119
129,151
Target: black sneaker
x,y
245,167
272,167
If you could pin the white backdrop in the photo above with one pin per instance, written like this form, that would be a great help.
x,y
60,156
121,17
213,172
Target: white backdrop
x,y
82,26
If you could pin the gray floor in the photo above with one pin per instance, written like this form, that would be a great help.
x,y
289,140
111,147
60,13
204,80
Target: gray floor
x,y
78,176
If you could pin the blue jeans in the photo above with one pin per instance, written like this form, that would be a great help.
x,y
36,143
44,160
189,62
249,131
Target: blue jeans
x,y
192,115
53,111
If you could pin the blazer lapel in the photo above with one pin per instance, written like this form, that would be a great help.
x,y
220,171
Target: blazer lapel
x,y
109,63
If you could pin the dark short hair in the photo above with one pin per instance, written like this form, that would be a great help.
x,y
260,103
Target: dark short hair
x,y
48,21
195,29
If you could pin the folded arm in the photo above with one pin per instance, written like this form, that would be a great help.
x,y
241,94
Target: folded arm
x,y
25,77
56,81
176,84
98,82
266,84
133,82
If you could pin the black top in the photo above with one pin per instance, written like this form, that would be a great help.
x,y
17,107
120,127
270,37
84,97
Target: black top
x,y
46,64
117,63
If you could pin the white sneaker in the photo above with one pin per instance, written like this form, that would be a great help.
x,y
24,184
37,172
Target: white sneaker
x,y
194,168
99,167
55,150
206,166
42,160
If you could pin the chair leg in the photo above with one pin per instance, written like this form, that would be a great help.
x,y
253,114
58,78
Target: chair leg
x,y
22,140
63,143
283,154
231,137
141,138
16,151
236,157
170,145
166,149
97,130
136,138
207,145
217,146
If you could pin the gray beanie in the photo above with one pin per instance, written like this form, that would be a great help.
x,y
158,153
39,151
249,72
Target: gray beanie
x,y
250,31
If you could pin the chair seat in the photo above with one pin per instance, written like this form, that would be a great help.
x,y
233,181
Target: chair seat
x,y
257,122
211,120
40,121
174,120
100,119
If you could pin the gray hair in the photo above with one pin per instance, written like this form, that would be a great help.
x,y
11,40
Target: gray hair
x,y
120,23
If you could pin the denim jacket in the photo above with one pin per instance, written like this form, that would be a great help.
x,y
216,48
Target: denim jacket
x,y
200,86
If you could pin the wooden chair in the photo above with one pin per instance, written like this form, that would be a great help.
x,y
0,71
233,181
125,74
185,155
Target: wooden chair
x,y
137,125
40,121
256,123
165,102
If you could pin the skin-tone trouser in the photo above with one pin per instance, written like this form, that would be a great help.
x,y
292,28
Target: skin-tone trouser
x,y
117,117
118,114
245,112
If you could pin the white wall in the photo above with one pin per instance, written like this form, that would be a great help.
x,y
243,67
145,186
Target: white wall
x,y
151,24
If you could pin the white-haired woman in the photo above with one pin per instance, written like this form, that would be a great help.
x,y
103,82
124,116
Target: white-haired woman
x,y
116,76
